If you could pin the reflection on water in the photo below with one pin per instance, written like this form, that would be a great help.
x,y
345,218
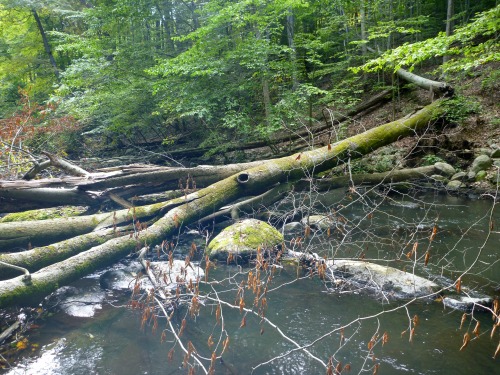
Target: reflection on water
x,y
112,341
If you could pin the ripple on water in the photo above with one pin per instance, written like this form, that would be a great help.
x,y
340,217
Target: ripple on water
x,y
62,358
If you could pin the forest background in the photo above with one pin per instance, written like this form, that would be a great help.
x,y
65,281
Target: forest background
x,y
218,73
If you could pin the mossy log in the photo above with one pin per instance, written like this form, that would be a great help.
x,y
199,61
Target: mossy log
x,y
255,180
24,234
40,257
396,175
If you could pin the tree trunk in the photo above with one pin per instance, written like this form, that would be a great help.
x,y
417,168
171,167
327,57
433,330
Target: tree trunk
x,y
40,257
49,193
376,178
427,84
252,181
46,44
449,25
43,232
362,15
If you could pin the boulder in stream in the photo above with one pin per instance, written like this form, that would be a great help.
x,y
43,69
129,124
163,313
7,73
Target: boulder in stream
x,y
242,240
387,281
170,276
319,222
81,302
465,303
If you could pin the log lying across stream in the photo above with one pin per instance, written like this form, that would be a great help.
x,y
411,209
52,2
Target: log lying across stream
x,y
255,180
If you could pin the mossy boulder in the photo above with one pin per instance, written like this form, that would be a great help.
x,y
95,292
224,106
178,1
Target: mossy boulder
x,y
455,185
481,163
481,175
242,240
444,169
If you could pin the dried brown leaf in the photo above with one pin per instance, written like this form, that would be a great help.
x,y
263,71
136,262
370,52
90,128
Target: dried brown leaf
x,y
465,341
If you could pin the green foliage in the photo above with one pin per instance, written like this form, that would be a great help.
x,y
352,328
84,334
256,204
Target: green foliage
x,y
491,82
430,159
242,69
459,108
475,43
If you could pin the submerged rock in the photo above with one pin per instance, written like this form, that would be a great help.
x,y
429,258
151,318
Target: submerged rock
x,y
177,273
319,222
77,302
385,280
292,227
242,240
170,276
465,303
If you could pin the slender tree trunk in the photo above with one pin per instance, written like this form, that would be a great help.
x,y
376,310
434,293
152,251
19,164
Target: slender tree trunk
x,y
290,32
362,15
46,44
449,25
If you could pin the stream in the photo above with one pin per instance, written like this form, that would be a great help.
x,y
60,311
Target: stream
x,y
94,332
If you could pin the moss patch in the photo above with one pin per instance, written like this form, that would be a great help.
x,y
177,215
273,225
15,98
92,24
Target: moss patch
x,y
243,238
44,214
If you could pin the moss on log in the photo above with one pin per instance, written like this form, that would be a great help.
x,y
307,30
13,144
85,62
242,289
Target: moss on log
x,y
40,257
40,233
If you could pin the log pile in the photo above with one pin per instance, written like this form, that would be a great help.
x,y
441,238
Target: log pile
x,y
94,241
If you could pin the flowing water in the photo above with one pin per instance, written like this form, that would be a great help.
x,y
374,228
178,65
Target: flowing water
x,y
305,310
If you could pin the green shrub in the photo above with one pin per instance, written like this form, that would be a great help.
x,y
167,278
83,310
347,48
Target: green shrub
x,y
459,108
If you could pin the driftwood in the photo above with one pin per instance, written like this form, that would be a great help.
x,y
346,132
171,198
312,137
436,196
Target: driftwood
x,y
251,181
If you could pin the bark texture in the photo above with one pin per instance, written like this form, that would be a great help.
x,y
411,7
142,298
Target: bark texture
x,y
425,83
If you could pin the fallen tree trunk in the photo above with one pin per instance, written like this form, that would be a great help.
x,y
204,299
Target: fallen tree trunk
x,y
40,257
422,82
81,190
425,83
252,181
43,232
396,175
47,192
